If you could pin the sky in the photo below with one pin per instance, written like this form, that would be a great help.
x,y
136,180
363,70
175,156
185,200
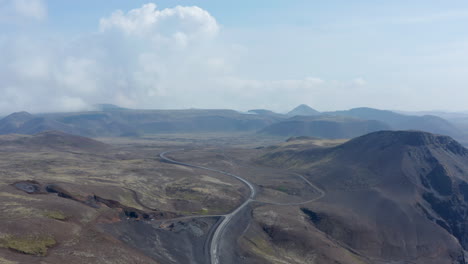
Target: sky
x,y
58,55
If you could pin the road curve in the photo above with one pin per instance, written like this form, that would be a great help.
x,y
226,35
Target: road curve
x,y
320,191
214,246
215,239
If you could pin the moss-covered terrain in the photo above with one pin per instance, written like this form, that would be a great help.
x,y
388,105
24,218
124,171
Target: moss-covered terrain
x,y
36,245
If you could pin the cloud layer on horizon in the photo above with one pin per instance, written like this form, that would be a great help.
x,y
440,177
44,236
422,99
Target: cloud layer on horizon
x,y
146,58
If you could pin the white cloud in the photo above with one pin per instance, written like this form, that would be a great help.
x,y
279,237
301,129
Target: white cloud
x,y
68,103
31,67
433,17
149,58
359,81
142,58
78,76
180,23
31,8
16,10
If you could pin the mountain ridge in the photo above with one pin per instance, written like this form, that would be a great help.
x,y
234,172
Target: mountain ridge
x,y
121,122
410,184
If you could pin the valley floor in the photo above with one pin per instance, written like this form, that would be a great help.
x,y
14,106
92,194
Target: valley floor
x,y
201,198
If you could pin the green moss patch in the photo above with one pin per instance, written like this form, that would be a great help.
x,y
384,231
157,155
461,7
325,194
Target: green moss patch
x,y
57,215
32,245
286,190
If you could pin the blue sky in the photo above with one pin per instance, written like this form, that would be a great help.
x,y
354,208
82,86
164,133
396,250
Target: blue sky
x,y
60,55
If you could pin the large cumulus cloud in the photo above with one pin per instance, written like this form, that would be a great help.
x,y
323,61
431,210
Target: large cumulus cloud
x,y
180,24
131,61
142,58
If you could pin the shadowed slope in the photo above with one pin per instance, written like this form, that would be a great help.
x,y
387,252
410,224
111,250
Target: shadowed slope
x,y
391,195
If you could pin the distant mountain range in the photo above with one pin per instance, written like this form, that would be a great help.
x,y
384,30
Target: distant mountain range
x,y
127,122
357,121
111,120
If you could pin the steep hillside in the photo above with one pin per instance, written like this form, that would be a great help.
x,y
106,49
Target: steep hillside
x,y
398,196
332,127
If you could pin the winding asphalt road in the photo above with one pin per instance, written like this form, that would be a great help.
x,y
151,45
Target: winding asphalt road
x,y
214,246
215,240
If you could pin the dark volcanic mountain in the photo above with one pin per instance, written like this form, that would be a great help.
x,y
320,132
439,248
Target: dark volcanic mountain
x,y
393,196
303,110
332,127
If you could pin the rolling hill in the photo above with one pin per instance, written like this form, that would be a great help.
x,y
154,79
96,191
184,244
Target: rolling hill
x,y
28,124
55,140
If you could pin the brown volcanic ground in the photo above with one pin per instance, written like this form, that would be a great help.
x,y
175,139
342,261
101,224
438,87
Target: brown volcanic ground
x,y
69,199
391,197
